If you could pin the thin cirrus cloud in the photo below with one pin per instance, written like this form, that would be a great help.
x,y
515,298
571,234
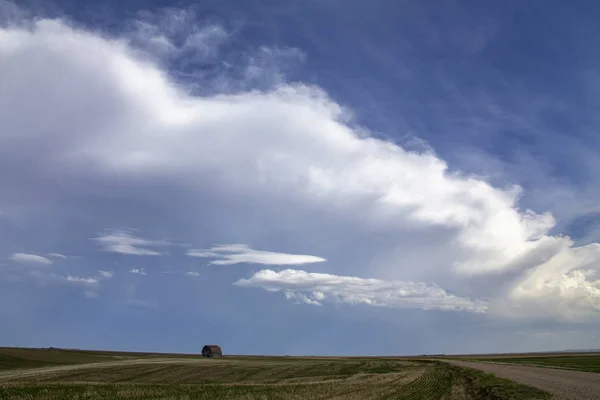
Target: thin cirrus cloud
x,y
26,258
156,37
243,254
316,288
82,280
57,255
125,242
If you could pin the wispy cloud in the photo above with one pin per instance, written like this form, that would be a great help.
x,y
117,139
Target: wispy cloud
x,y
91,284
139,271
192,273
90,294
175,35
91,280
241,253
57,255
315,288
82,280
30,259
124,242
42,277
134,301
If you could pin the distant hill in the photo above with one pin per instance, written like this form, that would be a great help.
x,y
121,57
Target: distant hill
x,y
580,351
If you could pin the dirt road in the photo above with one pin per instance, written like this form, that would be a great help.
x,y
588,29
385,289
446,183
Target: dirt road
x,y
563,384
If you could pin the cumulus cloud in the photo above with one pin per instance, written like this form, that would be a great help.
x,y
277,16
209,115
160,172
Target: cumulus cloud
x,y
124,242
138,271
315,288
30,259
241,253
299,298
568,284
293,147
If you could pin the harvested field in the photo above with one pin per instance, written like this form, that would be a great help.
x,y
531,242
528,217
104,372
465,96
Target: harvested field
x,y
12,358
169,377
585,362
15,357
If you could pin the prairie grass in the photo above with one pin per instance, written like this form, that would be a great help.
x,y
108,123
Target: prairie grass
x,y
17,358
254,378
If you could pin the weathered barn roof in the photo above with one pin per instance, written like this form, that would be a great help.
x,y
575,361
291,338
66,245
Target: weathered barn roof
x,y
213,348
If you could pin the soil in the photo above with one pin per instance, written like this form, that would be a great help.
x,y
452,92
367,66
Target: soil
x,y
563,384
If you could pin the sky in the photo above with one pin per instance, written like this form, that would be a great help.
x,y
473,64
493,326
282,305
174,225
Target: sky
x,y
300,177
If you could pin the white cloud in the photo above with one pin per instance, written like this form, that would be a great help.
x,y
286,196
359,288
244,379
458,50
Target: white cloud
x,y
30,259
298,151
265,66
57,255
315,288
91,284
192,273
241,253
82,280
299,298
90,280
139,271
174,33
124,242
567,284
106,274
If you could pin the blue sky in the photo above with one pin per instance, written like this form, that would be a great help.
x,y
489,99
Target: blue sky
x,y
299,177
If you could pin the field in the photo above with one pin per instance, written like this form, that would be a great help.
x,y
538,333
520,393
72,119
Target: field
x,y
14,357
58,374
575,361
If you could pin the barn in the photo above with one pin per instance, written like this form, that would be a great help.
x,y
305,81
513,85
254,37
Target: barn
x,y
211,350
